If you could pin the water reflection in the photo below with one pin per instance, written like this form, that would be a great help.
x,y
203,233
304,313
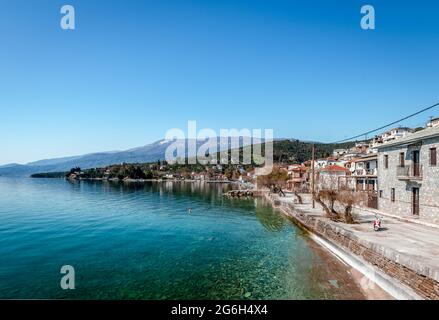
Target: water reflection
x,y
164,187
137,241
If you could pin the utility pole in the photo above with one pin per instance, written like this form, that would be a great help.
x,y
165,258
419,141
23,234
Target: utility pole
x,y
313,174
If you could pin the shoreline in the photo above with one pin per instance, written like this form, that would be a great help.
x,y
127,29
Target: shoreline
x,y
365,269
376,261
148,180
358,273
372,261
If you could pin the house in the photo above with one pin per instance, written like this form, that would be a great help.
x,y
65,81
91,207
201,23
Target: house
x,y
365,173
337,153
197,176
360,148
350,164
363,178
324,162
351,155
408,175
298,178
396,133
330,176
389,136
434,122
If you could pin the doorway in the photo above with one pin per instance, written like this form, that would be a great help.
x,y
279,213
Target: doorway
x,y
416,169
415,201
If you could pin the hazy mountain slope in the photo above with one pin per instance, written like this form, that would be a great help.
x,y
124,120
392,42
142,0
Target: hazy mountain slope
x,y
148,153
284,150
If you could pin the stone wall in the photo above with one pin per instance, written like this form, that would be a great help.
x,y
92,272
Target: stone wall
x,y
423,285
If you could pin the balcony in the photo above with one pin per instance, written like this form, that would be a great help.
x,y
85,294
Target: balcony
x,y
412,172
365,172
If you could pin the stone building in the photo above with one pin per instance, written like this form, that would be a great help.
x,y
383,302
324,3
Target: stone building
x,y
330,177
408,175
298,178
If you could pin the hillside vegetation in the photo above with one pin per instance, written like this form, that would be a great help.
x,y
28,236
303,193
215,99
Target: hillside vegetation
x,y
284,152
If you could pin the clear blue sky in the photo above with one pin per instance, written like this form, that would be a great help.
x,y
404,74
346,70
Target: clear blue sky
x,y
133,69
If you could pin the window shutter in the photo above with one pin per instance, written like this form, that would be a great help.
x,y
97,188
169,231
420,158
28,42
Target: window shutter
x,y
433,157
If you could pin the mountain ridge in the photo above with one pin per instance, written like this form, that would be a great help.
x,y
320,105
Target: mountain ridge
x,y
148,153
284,150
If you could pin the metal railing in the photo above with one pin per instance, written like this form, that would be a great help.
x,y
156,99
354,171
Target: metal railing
x,y
366,172
413,171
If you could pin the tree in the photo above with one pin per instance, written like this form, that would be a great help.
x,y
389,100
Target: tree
x,y
149,174
277,179
347,199
338,204
298,196
326,198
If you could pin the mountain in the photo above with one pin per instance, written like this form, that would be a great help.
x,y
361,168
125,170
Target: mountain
x,y
284,150
148,153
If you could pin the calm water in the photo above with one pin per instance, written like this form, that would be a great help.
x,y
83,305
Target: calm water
x,y
138,241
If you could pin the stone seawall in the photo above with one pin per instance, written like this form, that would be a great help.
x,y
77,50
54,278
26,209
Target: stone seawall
x,y
376,255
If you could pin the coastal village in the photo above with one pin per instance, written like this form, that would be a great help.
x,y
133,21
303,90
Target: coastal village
x,y
396,169
396,177
393,176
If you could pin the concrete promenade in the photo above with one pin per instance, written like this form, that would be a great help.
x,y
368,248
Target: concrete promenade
x,y
407,252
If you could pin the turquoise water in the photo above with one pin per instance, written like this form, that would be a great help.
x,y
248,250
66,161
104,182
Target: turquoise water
x,y
138,241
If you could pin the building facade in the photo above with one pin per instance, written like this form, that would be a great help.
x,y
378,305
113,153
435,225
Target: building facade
x,y
408,175
434,122
365,173
298,178
331,176
389,136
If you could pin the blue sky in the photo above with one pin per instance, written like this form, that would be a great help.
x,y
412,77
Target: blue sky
x,y
133,69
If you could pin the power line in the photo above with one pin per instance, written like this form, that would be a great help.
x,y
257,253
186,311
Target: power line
x,y
388,125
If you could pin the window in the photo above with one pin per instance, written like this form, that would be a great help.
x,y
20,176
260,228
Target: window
x,y
392,195
433,157
402,159
386,161
381,193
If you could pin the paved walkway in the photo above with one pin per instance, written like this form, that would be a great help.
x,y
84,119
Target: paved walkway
x,y
417,244
433,223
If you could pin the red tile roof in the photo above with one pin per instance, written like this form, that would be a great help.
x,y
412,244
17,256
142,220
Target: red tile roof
x,y
334,168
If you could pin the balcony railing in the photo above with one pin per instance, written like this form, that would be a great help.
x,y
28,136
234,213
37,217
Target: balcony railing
x,y
411,172
366,172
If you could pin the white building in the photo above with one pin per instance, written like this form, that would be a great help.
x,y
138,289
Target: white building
x,y
396,133
389,136
364,173
337,153
324,162
331,176
434,122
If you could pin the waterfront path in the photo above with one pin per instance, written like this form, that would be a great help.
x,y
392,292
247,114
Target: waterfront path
x,y
410,245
